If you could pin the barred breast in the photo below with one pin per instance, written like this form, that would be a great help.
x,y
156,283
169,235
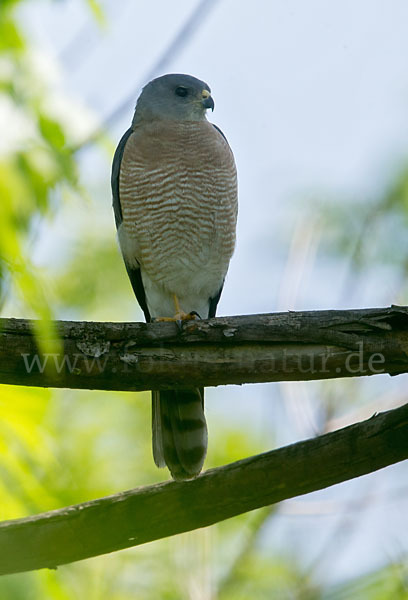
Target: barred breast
x,y
178,190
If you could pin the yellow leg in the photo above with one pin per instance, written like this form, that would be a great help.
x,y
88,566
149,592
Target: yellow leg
x,y
180,314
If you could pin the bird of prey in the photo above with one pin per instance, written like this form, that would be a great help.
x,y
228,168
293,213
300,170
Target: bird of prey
x,y
174,188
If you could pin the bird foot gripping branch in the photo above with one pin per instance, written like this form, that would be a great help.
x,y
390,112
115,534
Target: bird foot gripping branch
x,y
180,315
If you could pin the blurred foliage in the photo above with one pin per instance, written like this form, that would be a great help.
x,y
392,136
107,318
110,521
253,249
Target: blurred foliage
x,y
352,225
62,447
388,582
35,166
97,12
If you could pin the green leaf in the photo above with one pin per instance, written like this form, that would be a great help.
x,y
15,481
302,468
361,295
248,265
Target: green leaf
x,y
10,37
51,131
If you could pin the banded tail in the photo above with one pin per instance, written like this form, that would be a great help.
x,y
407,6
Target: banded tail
x,y
179,431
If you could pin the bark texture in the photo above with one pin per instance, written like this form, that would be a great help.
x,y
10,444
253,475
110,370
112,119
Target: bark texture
x,y
149,513
227,350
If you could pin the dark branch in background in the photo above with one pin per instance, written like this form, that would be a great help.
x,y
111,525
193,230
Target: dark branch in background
x,y
178,43
290,346
145,514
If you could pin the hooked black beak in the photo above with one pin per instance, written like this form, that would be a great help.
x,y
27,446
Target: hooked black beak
x,y
208,102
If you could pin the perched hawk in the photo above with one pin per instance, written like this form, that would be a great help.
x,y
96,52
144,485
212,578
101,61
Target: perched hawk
x,y
174,188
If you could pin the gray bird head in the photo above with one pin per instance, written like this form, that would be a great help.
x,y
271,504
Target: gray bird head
x,y
174,97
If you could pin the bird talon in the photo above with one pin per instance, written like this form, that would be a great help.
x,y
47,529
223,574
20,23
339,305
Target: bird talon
x,y
191,316
194,314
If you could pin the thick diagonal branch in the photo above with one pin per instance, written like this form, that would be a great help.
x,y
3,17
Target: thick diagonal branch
x,y
145,514
227,350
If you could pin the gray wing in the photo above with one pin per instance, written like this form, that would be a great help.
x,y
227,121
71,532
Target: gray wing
x,y
134,274
214,301
117,160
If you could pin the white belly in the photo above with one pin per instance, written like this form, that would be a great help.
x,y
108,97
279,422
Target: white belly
x,y
193,287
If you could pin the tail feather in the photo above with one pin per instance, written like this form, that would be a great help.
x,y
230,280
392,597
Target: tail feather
x,y
179,431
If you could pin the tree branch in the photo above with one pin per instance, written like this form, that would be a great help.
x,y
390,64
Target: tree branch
x,y
227,350
145,514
